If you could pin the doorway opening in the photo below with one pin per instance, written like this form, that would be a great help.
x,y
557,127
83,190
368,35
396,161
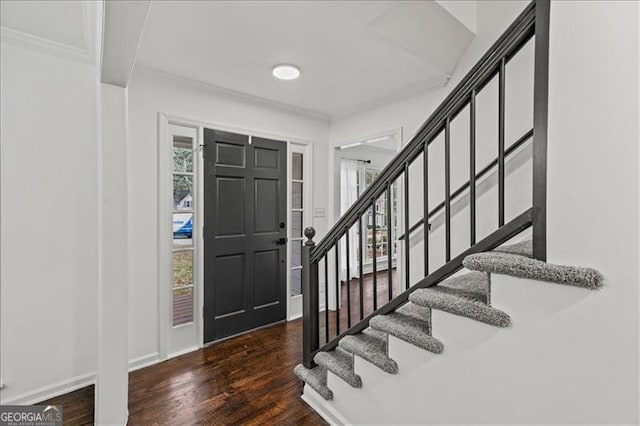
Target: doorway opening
x,y
358,164
276,174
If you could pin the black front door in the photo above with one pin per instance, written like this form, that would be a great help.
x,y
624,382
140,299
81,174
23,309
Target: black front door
x,y
244,233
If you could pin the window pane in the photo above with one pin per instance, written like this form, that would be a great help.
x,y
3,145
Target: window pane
x,y
182,154
296,282
182,189
296,225
371,175
182,268
182,306
296,253
182,230
296,166
297,195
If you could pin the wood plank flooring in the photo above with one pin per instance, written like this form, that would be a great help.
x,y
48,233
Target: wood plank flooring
x,y
382,291
245,380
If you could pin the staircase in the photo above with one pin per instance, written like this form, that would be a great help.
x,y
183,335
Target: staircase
x,y
365,351
465,295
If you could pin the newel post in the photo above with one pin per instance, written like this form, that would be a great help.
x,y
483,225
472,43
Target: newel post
x,y
540,128
310,302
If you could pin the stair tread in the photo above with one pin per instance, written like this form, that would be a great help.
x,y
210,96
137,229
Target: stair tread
x,y
340,363
315,377
417,312
524,267
523,248
459,303
473,285
408,328
370,345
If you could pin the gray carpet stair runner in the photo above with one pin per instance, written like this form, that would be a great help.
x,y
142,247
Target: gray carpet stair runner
x,y
316,378
339,362
467,294
372,346
525,267
410,323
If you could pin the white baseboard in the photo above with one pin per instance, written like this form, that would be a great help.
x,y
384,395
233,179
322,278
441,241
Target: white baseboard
x,y
69,385
144,361
322,407
182,352
46,392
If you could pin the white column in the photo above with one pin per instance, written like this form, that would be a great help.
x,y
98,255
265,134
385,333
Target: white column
x,y
112,377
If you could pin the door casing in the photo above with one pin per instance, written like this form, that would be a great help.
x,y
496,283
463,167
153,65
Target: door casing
x,y
165,238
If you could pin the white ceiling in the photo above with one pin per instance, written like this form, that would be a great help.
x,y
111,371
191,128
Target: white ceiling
x,y
353,54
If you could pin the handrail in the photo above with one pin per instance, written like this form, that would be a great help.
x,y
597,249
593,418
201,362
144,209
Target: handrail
x,y
466,185
493,240
534,19
509,43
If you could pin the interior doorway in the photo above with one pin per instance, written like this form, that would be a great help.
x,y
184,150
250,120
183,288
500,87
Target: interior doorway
x,y
357,164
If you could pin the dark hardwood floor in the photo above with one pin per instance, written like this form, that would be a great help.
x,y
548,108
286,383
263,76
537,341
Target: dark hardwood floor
x,y
367,293
244,380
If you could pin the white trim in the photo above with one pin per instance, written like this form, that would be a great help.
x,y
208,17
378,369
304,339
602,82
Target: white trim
x,y
201,123
322,407
74,383
85,54
144,361
198,241
183,352
183,334
221,91
165,246
49,391
334,171
294,303
403,93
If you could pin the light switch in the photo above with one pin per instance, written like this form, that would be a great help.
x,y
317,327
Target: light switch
x,y
319,212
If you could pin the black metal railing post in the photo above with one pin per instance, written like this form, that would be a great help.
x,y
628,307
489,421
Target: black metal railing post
x,y
501,129
472,168
540,126
310,303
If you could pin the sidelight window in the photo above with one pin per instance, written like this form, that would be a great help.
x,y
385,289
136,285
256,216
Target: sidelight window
x,y
297,225
183,218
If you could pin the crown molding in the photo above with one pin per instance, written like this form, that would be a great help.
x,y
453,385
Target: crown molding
x,y
85,54
399,95
232,94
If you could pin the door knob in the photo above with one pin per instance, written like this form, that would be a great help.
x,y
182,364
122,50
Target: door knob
x,y
280,241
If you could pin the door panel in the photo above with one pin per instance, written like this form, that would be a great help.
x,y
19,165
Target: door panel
x,y
266,202
245,233
266,267
229,209
229,298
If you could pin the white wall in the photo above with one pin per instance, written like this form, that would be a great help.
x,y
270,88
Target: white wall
x,y
49,223
492,18
151,93
593,175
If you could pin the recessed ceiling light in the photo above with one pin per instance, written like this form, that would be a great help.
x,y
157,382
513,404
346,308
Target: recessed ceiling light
x,y
286,72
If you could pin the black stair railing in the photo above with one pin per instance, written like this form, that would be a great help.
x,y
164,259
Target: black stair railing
x,y
533,21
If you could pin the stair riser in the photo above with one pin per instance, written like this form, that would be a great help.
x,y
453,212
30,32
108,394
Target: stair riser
x,y
538,369
372,372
